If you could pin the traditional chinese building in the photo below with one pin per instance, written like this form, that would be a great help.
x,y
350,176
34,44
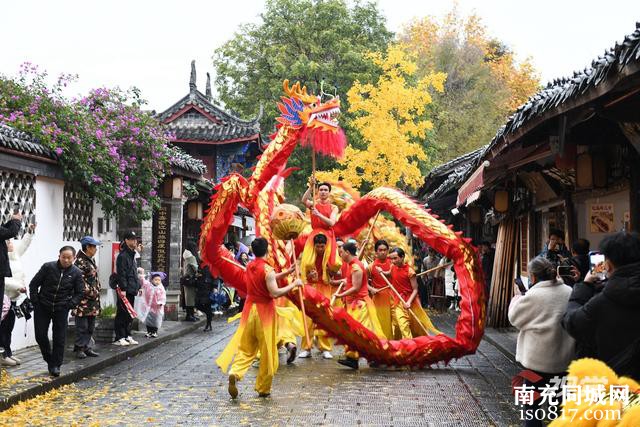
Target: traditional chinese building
x,y
224,142
567,159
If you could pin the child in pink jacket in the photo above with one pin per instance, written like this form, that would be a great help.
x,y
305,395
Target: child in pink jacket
x,y
154,299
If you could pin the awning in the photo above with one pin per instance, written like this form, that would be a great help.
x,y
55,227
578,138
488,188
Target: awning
x,y
472,185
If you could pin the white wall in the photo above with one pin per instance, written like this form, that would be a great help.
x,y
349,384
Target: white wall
x,y
620,201
46,242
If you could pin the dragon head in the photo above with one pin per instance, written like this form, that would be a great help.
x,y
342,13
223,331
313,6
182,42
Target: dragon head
x,y
316,120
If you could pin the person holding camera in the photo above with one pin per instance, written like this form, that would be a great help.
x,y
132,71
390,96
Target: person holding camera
x,y
15,287
604,310
543,348
55,289
127,280
7,231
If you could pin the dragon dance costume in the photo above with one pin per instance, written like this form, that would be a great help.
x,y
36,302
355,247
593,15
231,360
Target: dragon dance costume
x,y
256,332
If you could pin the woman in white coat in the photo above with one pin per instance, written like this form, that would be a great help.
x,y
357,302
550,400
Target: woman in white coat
x,y
544,348
14,287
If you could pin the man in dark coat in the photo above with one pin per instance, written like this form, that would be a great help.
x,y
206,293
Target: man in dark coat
x,y
130,284
55,289
89,306
607,321
7,231
487,255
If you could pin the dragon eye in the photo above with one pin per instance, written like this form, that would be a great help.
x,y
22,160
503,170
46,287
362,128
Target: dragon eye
x,y
314,105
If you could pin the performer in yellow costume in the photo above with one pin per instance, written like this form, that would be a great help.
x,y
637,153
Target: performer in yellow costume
x,y
356,299
313,275
380,292
257,330
403,279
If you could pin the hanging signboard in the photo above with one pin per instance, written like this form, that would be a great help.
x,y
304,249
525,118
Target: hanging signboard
x,y
161,238
601,218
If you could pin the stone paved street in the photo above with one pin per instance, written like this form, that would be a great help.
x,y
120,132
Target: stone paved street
x,y
177,383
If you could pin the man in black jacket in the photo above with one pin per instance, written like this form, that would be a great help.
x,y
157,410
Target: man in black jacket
x,y
55,289
128,281
7,231
607,321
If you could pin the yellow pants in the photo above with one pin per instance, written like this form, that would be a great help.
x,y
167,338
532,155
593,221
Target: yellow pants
x,y
323,342
360,312
401,320
382,300
422,315
254,338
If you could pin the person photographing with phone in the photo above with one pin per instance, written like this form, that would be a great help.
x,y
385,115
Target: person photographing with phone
x,y
8,230
603,313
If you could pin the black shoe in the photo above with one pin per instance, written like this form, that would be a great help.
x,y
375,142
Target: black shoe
x,y
233,388
54,371
80,354
89,352
207,328
292,350
264,394
347,361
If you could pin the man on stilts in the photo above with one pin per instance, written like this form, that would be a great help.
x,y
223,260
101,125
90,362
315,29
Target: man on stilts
x,y
257,330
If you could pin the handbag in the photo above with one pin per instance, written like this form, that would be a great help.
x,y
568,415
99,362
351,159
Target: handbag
x,y
113,280
26,307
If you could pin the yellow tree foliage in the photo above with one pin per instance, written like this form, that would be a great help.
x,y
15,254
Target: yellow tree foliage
x,y
484,81
391,118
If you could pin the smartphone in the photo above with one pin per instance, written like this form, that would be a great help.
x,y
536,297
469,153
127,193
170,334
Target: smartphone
x,y
596,262
565,270
520,285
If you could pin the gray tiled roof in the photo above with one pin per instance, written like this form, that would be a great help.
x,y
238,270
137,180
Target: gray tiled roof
x,y
14,139
463,166
230,127
184,161
565,89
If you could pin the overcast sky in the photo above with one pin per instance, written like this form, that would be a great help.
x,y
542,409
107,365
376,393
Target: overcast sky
x,y
150,44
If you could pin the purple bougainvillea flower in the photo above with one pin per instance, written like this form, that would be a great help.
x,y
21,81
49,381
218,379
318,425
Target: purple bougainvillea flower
x,y
58,151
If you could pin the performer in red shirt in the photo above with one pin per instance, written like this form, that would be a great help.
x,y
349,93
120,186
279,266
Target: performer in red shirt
x,y
381,297
403,279
324,215
356,299
257,330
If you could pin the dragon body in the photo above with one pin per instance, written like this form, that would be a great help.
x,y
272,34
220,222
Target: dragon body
x,y
308,121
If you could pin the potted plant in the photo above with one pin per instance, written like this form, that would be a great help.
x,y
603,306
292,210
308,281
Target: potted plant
x,y
104,331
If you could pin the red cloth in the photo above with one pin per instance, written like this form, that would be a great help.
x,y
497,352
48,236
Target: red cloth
x,y
362,293
257,281
400,279
325,209
377,281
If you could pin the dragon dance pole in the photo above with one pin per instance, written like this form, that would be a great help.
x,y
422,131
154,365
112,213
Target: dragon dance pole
x,y
431,270
364,243
313,176
333,297
389,285
304,313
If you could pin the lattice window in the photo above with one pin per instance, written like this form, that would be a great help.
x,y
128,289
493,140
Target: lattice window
x,y
78,215
17,189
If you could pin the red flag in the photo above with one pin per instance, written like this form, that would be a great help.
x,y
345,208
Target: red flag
x,y
126,303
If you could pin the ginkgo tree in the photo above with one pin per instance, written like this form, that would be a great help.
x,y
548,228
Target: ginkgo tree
x,y
392,118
